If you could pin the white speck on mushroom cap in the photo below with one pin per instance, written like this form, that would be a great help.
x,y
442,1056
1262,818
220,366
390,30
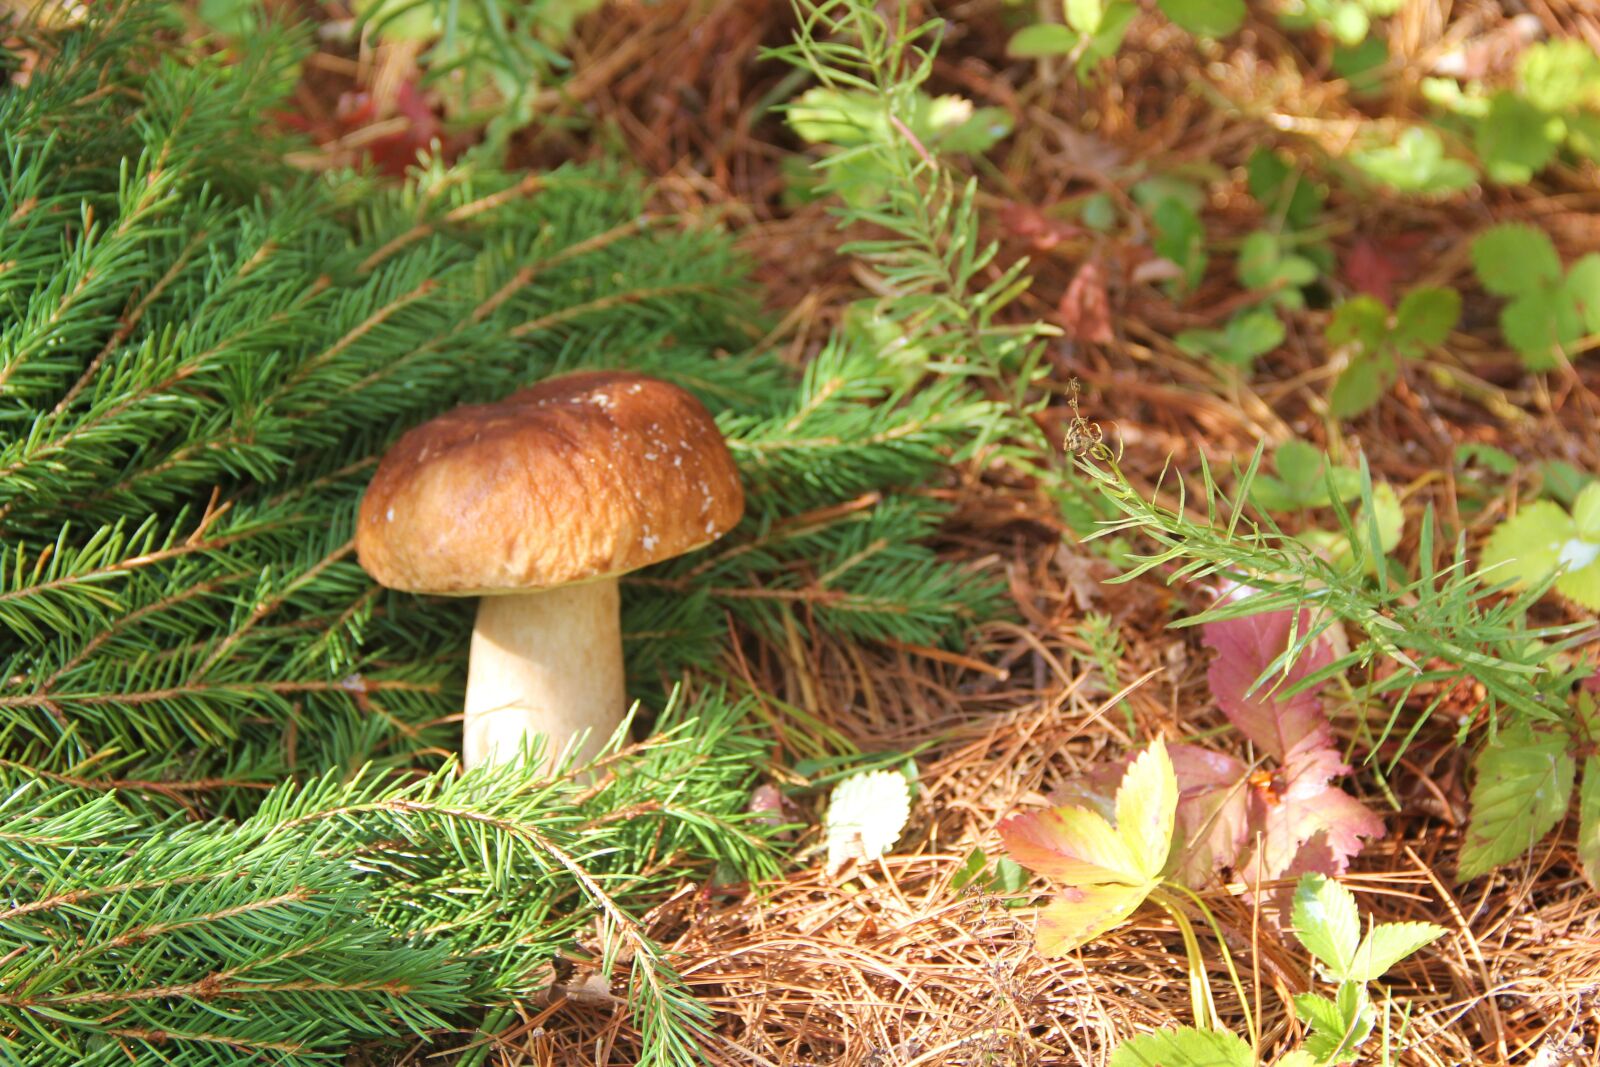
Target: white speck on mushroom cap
x,y
389,515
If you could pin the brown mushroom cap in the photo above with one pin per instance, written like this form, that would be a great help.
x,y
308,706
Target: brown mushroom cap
x,y
583,476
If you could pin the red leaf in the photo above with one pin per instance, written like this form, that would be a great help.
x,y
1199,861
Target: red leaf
x,y
1376,265
1245,647
1028,223
1085,308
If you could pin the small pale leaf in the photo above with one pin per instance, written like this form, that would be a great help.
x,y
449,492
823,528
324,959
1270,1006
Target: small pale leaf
x,y
866,814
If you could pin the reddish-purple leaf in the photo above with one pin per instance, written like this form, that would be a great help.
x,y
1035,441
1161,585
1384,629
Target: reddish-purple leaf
x,y
1299,810
1213,811
1245,647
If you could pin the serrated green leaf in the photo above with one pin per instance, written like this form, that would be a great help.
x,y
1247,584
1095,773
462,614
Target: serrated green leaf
x,y
1538,323
1361,320
1427,315
1387,944
1205,18
1185,1047
1586,512
1581,585
1299,464
1042,39
1583,286
1415,163
1527,547
1319,1012
1523,787
1298,1058
1515,140
1327,923
1360,385
1589,820
1514,258
1558,75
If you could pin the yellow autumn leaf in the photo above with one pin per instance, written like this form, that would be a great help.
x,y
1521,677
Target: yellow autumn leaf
x,y
1106,871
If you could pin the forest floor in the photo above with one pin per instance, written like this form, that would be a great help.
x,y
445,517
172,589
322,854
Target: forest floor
x,y
893,964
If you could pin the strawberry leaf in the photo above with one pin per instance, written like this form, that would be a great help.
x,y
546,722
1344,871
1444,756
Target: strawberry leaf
x,y
1389,943
1070,846
1107,871
1079,914
1524,786
1327,923
1184,1047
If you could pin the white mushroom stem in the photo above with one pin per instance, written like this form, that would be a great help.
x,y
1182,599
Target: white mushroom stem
x,y
545,663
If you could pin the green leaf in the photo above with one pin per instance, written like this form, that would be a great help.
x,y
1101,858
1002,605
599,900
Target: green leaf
x,y
1415,163
1583,287
1360,385
1338,1027
1514,258
1562,480
1527,547
1361,320
1327,923
1560,75
1249,334
1540,322
1105,41
1184,1047
1516,140
1389,943
1586,512
1523,787
1205,18
1180,237
1388,518
1264,264
831,116
1427,315
1042,39
1350,23
1282,190
1362,65
1299,463
1589,820
1495,460
1085,16
1252,333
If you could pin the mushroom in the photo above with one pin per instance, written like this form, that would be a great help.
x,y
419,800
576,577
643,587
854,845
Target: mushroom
x,y
537,504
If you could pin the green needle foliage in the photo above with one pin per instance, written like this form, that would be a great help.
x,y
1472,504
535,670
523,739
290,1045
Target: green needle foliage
x,y
229,826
